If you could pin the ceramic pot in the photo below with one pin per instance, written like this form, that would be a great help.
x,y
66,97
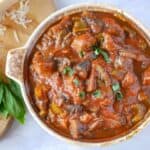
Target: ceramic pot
x,y
17,63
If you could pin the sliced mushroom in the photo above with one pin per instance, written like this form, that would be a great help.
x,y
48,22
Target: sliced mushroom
x,y
83,69
62,62
96,24
62,99
129,32
72,109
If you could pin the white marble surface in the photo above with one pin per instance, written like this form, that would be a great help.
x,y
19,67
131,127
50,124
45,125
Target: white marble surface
x,y
31,137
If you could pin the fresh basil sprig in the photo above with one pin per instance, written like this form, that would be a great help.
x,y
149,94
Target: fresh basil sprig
x,y
11,101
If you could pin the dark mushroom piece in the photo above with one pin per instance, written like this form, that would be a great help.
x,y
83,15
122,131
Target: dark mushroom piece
x,y
62,62
96,24
83,68
72,109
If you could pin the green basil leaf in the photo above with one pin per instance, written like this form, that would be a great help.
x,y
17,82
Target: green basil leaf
x,y
15,89
1,93
14,106
1,79
3,111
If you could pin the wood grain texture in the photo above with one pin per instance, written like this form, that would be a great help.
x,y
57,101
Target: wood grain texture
x,y
4,125
39,10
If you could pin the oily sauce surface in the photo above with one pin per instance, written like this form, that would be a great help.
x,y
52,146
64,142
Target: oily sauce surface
x,y
89,76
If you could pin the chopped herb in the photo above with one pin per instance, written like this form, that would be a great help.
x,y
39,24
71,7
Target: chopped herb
x,y
81,54
98,51
119,95
76,82
106,57
68,70
116,90
116,87
97,94
82,94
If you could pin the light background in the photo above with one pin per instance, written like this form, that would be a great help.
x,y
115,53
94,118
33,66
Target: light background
x,y
31,137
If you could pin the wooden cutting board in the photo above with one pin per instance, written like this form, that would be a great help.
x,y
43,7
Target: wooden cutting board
x,y
15,35
4,124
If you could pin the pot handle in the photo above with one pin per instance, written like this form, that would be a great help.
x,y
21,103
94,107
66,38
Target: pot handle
x,y
14,64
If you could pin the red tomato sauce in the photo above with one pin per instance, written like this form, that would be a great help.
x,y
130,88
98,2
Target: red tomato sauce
x,y
90,76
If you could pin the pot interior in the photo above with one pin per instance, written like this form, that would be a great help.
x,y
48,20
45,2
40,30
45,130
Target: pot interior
x,y
30,51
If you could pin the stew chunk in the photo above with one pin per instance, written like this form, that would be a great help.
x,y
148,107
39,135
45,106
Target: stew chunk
x,y
83,42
